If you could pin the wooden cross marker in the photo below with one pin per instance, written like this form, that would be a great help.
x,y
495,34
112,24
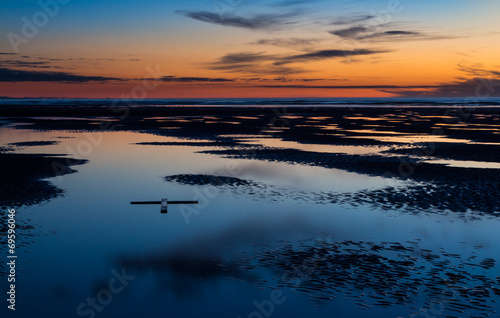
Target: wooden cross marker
x,y
164,203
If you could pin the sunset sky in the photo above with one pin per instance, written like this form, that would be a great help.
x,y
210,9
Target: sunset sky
x,y
243,48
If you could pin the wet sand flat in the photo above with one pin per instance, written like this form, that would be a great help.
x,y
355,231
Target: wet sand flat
x,y
263,225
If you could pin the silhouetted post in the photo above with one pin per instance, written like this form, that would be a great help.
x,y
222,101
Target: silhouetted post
x,y
164,203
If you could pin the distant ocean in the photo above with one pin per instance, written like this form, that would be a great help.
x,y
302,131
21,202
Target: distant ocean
x,y
263,102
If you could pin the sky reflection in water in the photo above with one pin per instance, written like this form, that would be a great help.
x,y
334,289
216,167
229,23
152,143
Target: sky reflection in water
x,y
180,269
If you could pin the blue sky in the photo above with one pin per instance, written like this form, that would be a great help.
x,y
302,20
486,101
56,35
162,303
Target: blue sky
x,y
362,43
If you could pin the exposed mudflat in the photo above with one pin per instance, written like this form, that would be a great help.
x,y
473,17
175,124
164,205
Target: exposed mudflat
x,y
22,177
385,274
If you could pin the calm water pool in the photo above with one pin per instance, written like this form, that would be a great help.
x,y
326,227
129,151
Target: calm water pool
x,y
179,266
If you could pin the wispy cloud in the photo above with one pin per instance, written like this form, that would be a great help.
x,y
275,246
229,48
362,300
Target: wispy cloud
x,y
477,70
379,87
260,69
351,32
289,3
486,83
244,58
256,22
10,75
352,19
293,43
483,83
327,54
286,79
252,63
255,63
384,33
195,79
24,63
476,87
